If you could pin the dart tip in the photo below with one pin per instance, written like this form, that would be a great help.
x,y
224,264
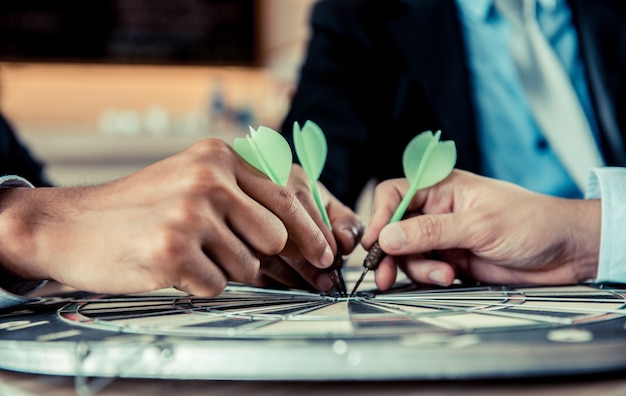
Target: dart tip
x,y
339,286
356,286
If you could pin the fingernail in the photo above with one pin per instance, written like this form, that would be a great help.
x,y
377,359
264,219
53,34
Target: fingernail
x,y
393,237
328,258
438,277
323,282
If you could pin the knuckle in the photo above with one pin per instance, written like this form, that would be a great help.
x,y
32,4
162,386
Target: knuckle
x,y
202,179
206,287
218,285
287,203
182,214
207,167
212,150
275,243
248,271
170,246
302,194
219,193
202,280
428,229
380,187
319,241
278,243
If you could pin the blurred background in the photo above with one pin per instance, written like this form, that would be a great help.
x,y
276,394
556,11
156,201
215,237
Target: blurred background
x,y
102,88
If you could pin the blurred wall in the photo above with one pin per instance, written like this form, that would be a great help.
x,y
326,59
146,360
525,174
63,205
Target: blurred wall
x,y
94,123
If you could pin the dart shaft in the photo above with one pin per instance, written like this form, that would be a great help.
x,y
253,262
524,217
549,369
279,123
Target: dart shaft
x,y
333,278
336,276
358,283
338,265
342,283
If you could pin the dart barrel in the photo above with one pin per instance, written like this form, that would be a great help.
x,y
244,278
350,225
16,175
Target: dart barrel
x,y
374,257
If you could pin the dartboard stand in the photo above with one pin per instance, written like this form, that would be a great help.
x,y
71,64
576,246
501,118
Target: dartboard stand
x,y
247,333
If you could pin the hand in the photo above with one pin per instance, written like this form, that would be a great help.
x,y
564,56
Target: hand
x,y
486,230
192,221
292,269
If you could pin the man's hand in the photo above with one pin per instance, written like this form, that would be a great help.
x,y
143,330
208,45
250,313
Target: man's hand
x,y
192,221
472,227
291,268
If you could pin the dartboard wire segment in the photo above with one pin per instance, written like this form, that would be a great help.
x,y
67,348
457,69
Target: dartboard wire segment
x,y
251,313
253,333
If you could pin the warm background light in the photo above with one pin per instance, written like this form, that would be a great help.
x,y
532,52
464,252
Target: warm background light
x,y
95,122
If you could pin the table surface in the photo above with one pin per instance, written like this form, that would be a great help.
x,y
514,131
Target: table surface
x,y
20,384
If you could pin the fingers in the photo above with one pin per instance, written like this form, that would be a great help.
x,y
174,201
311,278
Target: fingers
x,y
201,261
386,273
304,233
299,186
417,268
427,271
441,198
387,196
202,286
256,225
264,281
311,240
237,261
424,233
347,226
198,275
295,273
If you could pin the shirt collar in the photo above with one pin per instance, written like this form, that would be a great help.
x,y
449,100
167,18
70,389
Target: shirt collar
x,y
549,5
479,9
484,9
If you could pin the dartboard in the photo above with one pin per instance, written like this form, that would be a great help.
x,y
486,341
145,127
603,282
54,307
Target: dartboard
x,y
270,334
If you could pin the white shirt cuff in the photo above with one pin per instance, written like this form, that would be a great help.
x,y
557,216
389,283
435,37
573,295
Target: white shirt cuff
x,y
609,184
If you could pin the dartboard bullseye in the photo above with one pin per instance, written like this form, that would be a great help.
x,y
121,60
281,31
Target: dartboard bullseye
x,y
252,333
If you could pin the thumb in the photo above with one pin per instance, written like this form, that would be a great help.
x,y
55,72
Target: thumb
x,y
423,233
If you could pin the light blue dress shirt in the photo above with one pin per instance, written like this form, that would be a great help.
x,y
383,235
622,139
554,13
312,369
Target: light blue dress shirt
x,y
512,146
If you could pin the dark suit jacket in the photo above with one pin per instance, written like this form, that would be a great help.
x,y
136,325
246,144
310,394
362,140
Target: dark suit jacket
x,y
379,72
15,159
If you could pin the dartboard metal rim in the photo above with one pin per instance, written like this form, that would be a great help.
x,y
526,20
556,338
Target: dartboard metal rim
x,y
80,347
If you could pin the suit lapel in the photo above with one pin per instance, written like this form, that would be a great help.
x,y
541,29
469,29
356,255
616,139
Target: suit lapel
x,y
596,23
428,32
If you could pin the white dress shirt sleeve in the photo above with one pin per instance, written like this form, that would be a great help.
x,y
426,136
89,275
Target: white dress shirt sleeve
x,y
609,184
14,293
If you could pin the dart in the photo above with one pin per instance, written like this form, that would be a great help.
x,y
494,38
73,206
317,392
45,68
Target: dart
x,y
268,151
426,161
311,149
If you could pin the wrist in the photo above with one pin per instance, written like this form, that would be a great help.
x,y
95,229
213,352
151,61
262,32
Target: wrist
x,y
17,247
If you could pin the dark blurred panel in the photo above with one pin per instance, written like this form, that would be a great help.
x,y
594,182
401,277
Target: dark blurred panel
x,y
203,32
